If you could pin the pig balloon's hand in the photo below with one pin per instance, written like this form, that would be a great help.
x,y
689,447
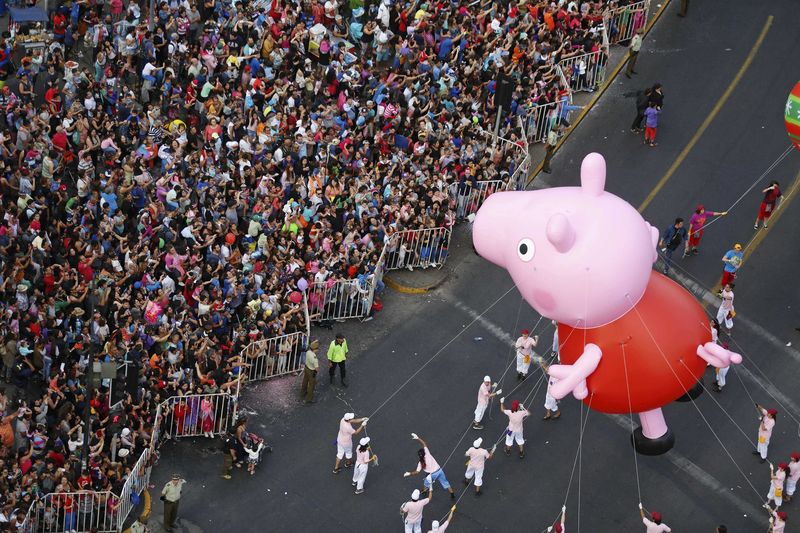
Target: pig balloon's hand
x,y
572,378
717,356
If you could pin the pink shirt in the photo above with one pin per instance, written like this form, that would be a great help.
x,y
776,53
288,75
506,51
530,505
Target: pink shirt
x,y
767,423
483,393
525,346
362,458
778,525
345,436
652,527
515,419
431,465
413,510
777,481
477,457
794,471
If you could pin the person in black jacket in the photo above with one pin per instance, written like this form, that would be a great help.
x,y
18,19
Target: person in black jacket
x,y
642,100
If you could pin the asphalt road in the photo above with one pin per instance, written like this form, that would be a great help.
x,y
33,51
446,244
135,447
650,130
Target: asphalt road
x,y
710,477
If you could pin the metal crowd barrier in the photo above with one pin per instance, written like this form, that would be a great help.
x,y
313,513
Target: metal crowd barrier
x,y
340,299
469,199
198,415
541,119
276,356
621,23
585,72
135,485
84,510
424,248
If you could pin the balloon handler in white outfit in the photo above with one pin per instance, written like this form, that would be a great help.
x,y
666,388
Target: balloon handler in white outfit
x,y
525,345
485,392
551,409
515,416
364,457
477,458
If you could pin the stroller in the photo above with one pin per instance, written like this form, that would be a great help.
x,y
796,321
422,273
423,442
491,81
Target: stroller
x,y
254,447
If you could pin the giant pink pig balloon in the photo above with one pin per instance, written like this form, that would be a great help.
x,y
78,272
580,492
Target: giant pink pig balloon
x,y
583,257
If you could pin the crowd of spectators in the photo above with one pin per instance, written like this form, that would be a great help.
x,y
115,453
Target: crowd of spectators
x,y
165,191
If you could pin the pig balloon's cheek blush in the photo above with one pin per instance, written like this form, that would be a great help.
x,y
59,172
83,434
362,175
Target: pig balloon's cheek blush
x,y
544,300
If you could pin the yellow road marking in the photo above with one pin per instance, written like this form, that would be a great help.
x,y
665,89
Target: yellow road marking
x,y
721,102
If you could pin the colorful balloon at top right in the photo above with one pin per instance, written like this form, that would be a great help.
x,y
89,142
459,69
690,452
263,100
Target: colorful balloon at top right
x,y
791,116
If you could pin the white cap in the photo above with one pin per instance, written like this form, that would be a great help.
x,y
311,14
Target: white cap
x,y
477,443
124,452
487,378
415,495
435,525
126,432
349,416
364,441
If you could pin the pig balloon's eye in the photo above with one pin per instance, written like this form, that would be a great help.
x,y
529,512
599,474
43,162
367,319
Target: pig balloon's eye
x,y
526,249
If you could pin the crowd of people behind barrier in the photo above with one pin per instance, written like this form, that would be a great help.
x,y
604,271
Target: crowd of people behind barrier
x,y
167,193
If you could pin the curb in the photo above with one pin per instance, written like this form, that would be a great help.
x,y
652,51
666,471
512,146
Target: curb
x,y
405,289
538,169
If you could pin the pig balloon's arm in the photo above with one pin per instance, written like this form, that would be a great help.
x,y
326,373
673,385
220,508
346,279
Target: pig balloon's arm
x,y
717,356
572,378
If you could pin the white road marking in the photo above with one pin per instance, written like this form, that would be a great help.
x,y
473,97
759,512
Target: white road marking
x,y
490,326
701,476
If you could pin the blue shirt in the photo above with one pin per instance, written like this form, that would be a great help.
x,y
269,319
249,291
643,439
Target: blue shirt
x,y
733,260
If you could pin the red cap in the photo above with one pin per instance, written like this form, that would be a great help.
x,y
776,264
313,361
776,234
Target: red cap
x,y
783,466
557,528
700,207
795,456
525,332
783,516
656,516
772,412
515,405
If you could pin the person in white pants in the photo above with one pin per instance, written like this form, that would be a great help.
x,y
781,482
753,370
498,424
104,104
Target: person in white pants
x,y
726,311
765,431
412,511
477,460
514,431
363,458
721,374
777,479
794,475
550,403
344,440
524,345
556,348
484,394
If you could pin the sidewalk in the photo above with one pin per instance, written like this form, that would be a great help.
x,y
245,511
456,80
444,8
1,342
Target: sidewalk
x,y
422,280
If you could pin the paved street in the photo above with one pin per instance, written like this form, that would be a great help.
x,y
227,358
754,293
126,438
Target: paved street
x,y
710,477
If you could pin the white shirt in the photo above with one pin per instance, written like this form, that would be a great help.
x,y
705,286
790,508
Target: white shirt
x,y
652,527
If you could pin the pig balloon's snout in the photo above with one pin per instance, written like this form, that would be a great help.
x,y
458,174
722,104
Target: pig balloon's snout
x,y
487,230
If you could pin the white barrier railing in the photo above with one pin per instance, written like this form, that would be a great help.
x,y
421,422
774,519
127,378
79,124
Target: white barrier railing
x,y
584,72
82,511
340,299
198,415
424,248
470,198
276,356
541,119
137,482
621,23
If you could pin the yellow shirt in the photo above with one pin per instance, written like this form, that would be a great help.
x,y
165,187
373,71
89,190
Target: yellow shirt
x,y
337,352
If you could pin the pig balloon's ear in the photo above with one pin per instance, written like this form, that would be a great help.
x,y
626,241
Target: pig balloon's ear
x,y
593,174
560,233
